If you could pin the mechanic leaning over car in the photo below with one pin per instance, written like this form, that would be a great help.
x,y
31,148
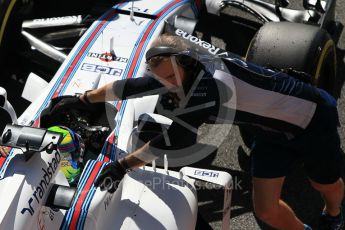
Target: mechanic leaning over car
x,y
291,119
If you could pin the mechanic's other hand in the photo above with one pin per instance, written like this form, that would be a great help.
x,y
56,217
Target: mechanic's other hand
x,y
110,177
4,151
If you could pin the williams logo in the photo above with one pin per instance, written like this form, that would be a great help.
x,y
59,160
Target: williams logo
x,y
206,173
107,57
42,187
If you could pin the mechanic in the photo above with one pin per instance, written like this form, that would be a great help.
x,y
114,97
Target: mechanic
x,y
291,120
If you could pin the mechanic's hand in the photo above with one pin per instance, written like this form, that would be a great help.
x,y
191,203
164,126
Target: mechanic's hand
x,y
69,102
110,177
60,105
4,151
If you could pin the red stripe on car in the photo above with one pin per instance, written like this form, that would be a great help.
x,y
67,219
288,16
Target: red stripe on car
x,y
143,40
83,195
2,161
81,52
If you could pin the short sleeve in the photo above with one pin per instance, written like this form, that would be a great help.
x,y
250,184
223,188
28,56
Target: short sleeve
x,y
137,87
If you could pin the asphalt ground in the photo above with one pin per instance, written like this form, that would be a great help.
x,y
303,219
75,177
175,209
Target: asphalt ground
x,y
232,156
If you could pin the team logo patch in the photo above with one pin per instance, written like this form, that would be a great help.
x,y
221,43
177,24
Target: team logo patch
x,y
107,57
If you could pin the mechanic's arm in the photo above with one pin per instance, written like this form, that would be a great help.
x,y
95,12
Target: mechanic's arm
x,y
117,90
124,89
171,139
140,157
102,94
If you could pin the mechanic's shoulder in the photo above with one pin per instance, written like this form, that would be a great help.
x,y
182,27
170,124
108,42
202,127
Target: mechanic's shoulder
x,y
234,62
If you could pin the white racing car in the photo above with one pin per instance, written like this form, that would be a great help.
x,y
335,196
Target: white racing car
x,y
35,194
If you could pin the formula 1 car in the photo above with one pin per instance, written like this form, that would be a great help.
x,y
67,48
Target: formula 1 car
x,y
104,42
36,194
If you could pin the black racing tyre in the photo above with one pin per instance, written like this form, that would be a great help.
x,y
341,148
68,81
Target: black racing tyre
x,y
298,46
301,47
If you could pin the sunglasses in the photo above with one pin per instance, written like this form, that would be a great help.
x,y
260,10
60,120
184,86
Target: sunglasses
x,y
155,61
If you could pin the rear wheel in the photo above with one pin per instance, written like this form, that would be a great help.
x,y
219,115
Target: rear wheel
x,y
301,47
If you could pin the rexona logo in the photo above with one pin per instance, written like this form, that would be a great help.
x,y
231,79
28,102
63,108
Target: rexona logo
x,y
209,47
42,187
101,69
107,57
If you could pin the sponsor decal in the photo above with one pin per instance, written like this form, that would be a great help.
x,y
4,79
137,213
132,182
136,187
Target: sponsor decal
x,y
42,187
206,173
101,69
60,19
107,201
51,215
207,46
107,57
199,94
